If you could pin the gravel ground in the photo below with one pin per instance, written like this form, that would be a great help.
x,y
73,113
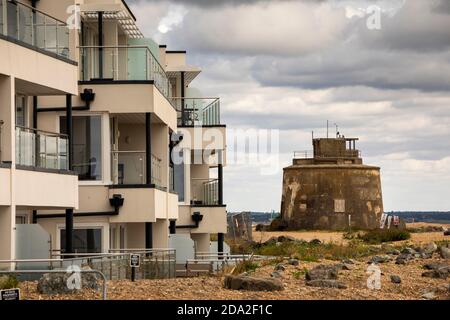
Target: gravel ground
x,y
204,288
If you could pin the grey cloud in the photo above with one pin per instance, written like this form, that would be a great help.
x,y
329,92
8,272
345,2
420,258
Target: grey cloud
x,y
338,67
208,4
419,26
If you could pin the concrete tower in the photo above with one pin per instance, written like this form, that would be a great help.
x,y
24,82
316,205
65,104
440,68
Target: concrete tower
x,y
331,189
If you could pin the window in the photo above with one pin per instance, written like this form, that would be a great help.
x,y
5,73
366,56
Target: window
x,y
21,219
339,205
87,146
178,171
21,111
87,240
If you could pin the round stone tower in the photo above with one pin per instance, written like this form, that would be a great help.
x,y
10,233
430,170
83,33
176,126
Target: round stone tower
x,y
332,189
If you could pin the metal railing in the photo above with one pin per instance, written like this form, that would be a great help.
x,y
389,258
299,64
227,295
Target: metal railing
x,y
215,262
205,191
123,63
129,168
155,263
309,154
41,149
197,111
34,27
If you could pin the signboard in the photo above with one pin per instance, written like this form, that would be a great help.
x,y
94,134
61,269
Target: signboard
x,y
135,260
10,295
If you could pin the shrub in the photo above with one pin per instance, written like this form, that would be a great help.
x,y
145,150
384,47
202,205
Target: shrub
x,y
8,282
299,274
245,266
314,252
385,235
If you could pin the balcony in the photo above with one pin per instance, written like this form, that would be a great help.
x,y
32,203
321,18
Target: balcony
x,y
35,28
129,168
43,179
197,111
41,149
123,63
205,192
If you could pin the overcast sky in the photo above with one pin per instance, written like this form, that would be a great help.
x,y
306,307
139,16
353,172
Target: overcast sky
x,y
292,65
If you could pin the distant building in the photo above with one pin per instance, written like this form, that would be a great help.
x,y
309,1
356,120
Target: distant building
x,y
331,189
240,226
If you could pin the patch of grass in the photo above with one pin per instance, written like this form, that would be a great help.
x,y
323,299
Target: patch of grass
x,y
300,273
314,252
443,243
8,282
246,266
382,235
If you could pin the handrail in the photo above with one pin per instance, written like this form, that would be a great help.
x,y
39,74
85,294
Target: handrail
x,y
309,154
54,134
197,98
37,10
128,151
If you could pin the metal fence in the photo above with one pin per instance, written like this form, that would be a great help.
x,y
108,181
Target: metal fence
x,y
309,154
215,262
155,263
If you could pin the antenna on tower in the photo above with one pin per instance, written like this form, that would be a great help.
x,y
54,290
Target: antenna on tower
x,y
328,124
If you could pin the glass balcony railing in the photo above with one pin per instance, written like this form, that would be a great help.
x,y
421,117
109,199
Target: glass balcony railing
x,y
129,168
205,191
197,111
33,27
123,63
41,149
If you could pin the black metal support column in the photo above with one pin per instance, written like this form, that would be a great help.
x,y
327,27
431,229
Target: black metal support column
x,y
35,112
34,217
148,235
220,240
183,113
35,126
148,147
69,212
100,44
220,176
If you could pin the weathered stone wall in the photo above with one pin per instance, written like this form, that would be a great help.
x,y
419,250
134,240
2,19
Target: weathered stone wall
x,y
323,197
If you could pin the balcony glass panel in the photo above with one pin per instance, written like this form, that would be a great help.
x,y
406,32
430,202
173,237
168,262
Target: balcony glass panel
x,y
123,63
50,35
35,148
34,27
129,168
205,191
197,111
1,17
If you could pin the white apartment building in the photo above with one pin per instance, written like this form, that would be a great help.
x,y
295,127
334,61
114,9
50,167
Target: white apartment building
x,y
90,120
